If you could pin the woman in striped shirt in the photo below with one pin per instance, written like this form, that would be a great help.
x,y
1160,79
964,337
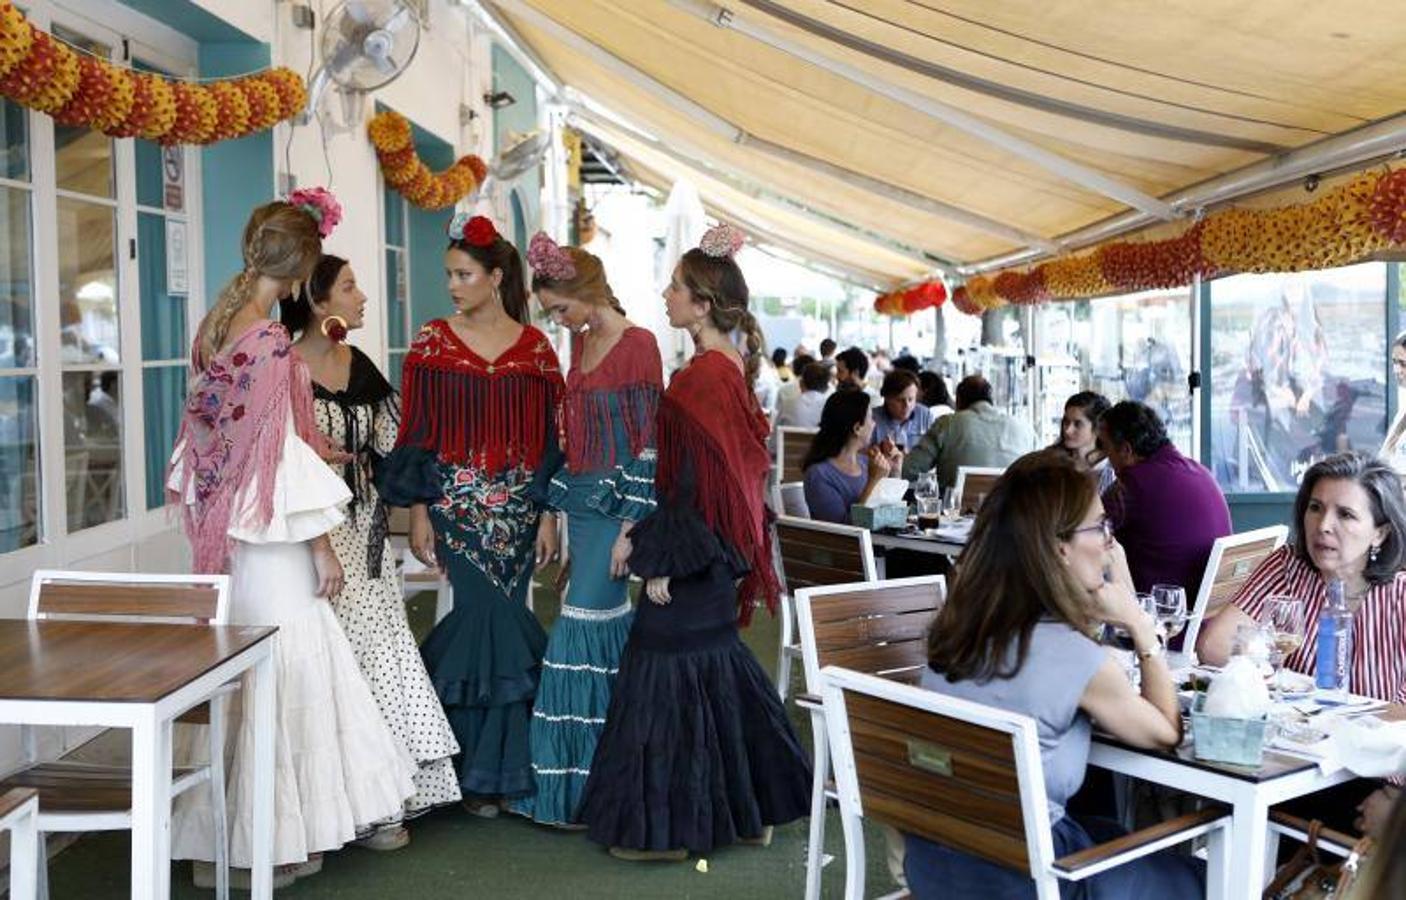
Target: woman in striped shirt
x,y
1350,523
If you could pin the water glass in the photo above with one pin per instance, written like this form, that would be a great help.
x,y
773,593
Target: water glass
x,y
1169,609
1284,618
929,511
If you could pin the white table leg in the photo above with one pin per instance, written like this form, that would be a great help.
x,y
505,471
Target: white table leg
x,y
1249,829
151,807
261,686
24,855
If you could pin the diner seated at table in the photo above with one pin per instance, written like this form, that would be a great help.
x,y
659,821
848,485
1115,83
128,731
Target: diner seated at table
x,y
1015,634
977,434
841,468
900,421
1078,436
1349,522
800,408
1167,510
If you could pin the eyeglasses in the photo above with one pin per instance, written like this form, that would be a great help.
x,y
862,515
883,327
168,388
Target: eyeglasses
x,y
1104,525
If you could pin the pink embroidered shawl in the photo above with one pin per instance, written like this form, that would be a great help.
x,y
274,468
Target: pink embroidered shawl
x,y
232,430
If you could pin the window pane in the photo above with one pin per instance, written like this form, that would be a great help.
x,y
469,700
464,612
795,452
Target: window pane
x,y
396,300
14,141
163,316
92,426
396,361
19,474
1297,372
16,295
83,157
163,395
149,184
395,218
87,282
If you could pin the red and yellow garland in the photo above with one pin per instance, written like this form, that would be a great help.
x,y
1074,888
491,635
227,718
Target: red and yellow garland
x,y
912,299
87,92
404,171
1343,226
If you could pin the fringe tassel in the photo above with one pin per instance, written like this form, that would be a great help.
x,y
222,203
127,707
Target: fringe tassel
x,y
589,424
722,501
495,423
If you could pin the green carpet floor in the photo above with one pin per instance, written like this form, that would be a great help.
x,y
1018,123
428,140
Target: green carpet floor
x,y
454,855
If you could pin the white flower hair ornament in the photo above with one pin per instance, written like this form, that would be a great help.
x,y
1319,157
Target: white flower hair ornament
x,y
722,241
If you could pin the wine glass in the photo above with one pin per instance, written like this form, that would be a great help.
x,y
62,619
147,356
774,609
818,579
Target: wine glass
x,y
925,485
1169,610
1284,616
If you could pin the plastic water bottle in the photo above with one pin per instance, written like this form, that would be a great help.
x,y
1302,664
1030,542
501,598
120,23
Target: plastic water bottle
x,y
1334,641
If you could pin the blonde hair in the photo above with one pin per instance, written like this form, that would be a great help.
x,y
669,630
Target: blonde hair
x,y
719,281
589,284
280,241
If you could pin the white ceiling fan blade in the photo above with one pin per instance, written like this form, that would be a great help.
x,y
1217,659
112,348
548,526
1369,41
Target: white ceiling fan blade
x,y
385,64
398,18
357,11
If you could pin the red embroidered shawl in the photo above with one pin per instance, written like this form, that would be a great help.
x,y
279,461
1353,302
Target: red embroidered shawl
x,y
633,373
469,411
710,424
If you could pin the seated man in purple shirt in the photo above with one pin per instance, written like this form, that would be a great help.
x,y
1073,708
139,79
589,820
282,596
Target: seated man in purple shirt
x,y
1166,510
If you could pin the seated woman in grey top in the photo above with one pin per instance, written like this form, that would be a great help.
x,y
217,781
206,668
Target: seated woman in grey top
x,y
841,469
1014,634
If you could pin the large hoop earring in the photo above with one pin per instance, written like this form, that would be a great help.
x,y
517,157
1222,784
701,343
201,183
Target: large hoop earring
x,y
334,328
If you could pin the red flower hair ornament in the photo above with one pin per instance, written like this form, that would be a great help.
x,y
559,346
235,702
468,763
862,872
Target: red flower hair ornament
x,y
475,230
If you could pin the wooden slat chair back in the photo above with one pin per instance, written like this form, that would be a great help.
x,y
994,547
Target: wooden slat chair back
x,y
792,445
810,553
119,596
966,776
1233,560
879,628
972,483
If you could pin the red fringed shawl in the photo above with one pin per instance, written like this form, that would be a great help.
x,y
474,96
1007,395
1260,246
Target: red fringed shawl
x,y
232,431
633,373
710,423
468,411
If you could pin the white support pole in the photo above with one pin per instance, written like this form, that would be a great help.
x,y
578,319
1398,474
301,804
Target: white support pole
x,y
1065,168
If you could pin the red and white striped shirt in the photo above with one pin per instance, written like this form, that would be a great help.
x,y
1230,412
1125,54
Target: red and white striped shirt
x,y
1378,623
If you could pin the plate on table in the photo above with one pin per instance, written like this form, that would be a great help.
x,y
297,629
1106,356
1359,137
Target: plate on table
x,y
1294,685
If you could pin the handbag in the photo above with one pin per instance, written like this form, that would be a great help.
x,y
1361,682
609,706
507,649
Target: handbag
x,y
1307,877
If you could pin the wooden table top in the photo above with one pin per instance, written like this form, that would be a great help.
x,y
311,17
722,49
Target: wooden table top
x,y
114,662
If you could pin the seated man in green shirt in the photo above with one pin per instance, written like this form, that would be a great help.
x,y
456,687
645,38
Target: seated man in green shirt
x,y
977,434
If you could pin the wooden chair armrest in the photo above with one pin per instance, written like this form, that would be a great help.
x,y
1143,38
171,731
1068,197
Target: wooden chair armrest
x,y
1138,843
809,701
1295,827
14,798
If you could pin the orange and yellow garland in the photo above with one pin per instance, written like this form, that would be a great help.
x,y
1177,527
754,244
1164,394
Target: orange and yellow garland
x,y
1364,215
909,300
404,171
87,92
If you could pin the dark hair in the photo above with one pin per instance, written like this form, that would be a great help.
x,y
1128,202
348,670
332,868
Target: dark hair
x,y
908,362
504,257
800,361
935,391
778,356
718,281
589,284
843,411
827,347
854,360
1400,341
1092,404
1383,489
296,312
815,377
972,389
898,381
1135,424
1011,576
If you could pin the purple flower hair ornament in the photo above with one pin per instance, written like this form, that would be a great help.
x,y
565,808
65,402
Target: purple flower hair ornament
x,y
549,260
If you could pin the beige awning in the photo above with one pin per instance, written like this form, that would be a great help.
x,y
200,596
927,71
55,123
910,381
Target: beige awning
x,y
962,130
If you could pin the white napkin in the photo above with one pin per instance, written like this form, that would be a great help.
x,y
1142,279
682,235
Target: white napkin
x,y
1238,692
1370,747
887,492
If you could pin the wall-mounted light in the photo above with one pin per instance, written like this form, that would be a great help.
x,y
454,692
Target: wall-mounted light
x,y
499,99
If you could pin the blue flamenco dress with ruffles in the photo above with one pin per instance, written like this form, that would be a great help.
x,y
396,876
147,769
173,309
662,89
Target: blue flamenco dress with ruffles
x,y
608,482
477,443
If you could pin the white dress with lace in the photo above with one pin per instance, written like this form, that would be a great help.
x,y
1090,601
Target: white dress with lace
x,y
338,769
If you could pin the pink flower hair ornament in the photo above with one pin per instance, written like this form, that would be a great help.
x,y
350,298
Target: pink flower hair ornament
x,y
722,240
319,203
476,230
548,259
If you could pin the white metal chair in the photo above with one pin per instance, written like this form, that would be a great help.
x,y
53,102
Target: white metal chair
x,y
792,444
880,628
19,812
793,499
1233,560
973,482
811,553
76,796
968,776
415,576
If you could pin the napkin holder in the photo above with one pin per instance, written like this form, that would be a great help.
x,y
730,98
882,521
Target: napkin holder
x,y
884,508
1239,742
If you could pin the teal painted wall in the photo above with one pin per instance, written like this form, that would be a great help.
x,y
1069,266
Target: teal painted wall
x,y
189,19
426,240
521,117
237,175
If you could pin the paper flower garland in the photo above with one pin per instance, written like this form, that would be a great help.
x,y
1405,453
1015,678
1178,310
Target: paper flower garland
x,y
911,299
87,92
1343,226
405,172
